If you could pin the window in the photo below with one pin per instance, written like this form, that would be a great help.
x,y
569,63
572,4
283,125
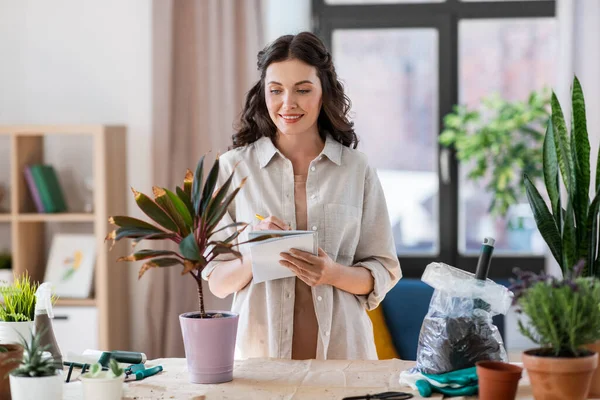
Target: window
x,y
405,63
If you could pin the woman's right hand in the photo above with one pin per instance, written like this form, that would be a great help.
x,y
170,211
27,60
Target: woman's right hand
x,y
271,223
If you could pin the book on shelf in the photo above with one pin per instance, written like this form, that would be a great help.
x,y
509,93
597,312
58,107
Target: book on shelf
x,y
45,188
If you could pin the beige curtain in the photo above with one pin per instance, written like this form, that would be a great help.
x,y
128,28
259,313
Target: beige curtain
x,y
204,63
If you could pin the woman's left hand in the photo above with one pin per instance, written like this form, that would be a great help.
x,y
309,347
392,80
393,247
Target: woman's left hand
x,y
313,270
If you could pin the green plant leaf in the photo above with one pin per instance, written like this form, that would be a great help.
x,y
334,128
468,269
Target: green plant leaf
x,y
152,210
592,235
162,198
214,206
244,225
569,239
186,200
222,209
181,208
147,253
551,173
129,222
197,186
209,186
189,248
159,262
563,148
544,220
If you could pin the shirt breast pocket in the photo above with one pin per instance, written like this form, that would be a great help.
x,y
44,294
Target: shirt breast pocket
x,y
342,229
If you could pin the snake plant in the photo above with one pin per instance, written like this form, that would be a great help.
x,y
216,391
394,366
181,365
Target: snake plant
x,y
572,232
189,217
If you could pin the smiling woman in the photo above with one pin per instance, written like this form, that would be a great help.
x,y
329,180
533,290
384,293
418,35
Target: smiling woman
x,y
296,71
297,148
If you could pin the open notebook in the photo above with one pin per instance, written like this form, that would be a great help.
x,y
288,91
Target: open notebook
x,y
265,254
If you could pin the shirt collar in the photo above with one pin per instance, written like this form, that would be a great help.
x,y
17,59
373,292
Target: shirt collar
x,y
266,150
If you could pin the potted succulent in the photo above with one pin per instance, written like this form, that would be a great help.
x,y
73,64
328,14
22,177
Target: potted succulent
x,y
17,310
570,225
10,354
500,141
191,218
563,315
37,376
103,385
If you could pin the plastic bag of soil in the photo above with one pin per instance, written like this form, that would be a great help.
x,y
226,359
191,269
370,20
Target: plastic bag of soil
x,y
458,330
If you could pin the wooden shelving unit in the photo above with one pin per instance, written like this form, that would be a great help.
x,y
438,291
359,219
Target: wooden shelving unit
x,y
28,227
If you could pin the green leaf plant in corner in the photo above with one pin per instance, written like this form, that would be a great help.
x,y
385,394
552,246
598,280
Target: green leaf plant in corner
x,y
190,217
570,225
498,143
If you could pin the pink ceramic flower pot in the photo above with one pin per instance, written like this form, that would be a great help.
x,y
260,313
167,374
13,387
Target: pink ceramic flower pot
x,y
209,346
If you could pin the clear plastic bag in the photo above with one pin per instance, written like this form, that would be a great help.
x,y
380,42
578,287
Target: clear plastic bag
x,y
458,330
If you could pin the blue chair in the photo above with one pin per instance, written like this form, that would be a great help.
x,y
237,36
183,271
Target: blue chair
x,y
404,309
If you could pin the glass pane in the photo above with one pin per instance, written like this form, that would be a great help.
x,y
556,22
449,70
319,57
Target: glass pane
x,y
381,1
509,58
391,77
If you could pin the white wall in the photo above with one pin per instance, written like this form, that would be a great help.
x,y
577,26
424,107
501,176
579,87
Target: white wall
x,y
79,61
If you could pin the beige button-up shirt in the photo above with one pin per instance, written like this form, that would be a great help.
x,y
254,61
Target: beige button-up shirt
x,y
346,206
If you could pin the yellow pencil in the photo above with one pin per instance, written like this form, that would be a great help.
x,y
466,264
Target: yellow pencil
x,y
259,217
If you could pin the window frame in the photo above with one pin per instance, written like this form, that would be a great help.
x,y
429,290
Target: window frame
x,y
445,17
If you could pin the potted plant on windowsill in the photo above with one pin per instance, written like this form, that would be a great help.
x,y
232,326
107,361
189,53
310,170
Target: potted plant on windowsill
x,y
570,226
17,310
103,385
37,376
564,315
191,218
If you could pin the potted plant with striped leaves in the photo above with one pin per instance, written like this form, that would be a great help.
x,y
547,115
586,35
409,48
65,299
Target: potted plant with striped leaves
x,y
570,225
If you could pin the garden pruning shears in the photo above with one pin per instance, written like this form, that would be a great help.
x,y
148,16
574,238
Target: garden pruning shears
x,y
137,372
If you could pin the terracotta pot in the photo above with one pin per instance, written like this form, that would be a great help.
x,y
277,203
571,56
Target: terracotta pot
x,y
559,378
595,385
209,346
498,380
15,351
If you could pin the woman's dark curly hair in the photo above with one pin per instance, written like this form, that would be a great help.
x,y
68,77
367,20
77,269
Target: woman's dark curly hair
x,y
255,121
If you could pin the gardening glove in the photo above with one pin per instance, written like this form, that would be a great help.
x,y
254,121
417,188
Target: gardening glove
x,y
462,382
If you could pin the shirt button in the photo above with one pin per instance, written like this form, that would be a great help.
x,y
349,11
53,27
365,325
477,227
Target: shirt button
x,y
314,196
313,168
288,295
319,298
314,228
327,333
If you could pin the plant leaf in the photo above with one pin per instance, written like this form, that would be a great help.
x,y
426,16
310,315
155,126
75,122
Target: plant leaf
x,y
592,228
544,220
189,248
186,200
223,207
551,173
209,186
244,225
215,202
197,186
187,183
129,222
163,199
181,209
158,262
569,239
152,210
147,253
563,149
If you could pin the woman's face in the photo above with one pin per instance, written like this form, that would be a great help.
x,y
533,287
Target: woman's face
x,y
293,95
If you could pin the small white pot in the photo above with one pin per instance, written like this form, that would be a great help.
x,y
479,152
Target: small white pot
x,y
9,331
102,387
47,388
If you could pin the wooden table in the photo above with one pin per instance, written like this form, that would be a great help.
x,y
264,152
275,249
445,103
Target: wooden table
x,y
259,379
